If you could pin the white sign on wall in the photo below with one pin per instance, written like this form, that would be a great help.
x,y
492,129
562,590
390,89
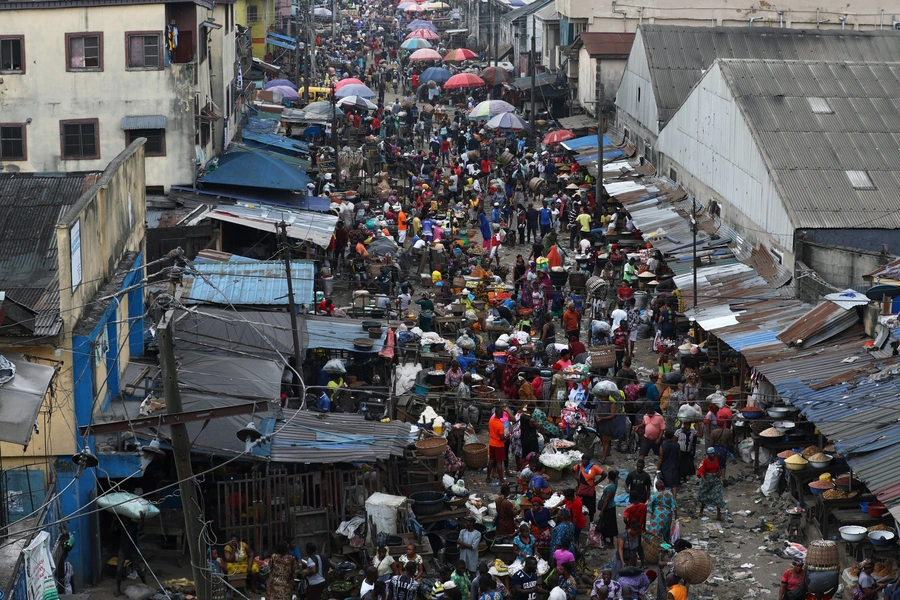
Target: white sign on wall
x,y
75,250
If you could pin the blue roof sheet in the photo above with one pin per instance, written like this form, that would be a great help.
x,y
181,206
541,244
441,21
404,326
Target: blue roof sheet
x,y
588,141
257,170
249,283
273,42
275,143
336,334
753,339
258,125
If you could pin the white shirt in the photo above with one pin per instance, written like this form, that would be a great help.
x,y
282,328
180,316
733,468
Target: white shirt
x,y
365,587
318,577
420,244
618,316
404,299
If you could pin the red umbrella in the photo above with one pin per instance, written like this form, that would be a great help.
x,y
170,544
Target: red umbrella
x,y
347,81
425,34
560,135
464,80
496,75
460,55
425,54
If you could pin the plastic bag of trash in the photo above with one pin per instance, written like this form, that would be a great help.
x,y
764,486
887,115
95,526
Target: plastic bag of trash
x,y
335,366
770,483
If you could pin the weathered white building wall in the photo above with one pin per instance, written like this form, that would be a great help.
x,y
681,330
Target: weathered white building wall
x,y
715,156
635,100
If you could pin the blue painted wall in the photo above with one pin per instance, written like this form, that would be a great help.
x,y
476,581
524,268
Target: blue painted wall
x,y
82,491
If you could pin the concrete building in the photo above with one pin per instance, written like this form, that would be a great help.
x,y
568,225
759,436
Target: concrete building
x,y
516,30
800,157
82,79
260,16
595,67
612,16
666,62
71,273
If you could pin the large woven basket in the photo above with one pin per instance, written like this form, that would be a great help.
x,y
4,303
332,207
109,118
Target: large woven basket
x,y
433,446
823,553
693,565
475,455
603,357
651,545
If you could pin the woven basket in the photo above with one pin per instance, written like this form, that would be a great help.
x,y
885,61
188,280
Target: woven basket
x,y
823,553
693,565
603,357
433,446
651,544
475,455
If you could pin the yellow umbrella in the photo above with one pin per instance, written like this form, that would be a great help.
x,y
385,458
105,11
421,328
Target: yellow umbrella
x,y
436,5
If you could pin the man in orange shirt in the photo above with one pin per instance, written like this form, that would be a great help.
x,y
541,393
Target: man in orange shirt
x,y
725,414
402,226
571,321
496,446
588,475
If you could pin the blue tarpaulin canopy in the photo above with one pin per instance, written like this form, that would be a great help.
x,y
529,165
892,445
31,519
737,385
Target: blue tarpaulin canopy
x,y
275,143
281,41
588,141
257,170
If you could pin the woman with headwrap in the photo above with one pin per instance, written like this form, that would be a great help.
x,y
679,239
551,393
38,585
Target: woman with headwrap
x,y
509,381
525,392
710,492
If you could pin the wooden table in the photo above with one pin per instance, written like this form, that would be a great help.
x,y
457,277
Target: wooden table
x,y
798,483
774,446
845,511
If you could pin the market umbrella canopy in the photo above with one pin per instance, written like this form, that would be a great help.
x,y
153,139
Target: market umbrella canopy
x,y
404,5
415,8
348,81
415,44
436,74
279,82
322,12
507,121
555,137
421,24
288,92
425,54
323,107
436,5
496,75
425,34
355,89
460,54
490,108
464,80
356,102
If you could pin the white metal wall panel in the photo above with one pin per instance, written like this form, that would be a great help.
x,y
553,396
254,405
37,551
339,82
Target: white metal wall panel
x,y
637,75
709,137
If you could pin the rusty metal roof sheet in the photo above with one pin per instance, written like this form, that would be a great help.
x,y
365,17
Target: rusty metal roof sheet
x,y
821,323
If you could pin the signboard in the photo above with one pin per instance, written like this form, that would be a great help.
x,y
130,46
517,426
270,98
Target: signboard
x,y
75,251
39,569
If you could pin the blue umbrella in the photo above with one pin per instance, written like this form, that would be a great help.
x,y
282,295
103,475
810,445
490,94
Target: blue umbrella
x,y
436,74
421,24
415,44
354,89
276,82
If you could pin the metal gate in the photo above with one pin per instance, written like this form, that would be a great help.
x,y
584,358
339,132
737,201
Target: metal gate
x,y
260,509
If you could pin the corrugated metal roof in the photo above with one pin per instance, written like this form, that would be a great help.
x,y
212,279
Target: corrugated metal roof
x,y
144,122
249,283
548,13
31,204
524,11
601,44
678,55
302,224
809,155
317,438
277,143
821,323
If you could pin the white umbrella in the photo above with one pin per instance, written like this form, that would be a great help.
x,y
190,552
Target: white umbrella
x,y
322,12
356,102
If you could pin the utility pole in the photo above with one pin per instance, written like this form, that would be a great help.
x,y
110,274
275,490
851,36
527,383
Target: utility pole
x,y
533,85
310,42
496,31
181,447
694,231
286,248
598,107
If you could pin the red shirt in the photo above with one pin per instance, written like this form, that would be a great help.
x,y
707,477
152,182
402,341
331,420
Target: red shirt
x,y
575,507
445,146
577,348
724,416
415,80
636,513
485,166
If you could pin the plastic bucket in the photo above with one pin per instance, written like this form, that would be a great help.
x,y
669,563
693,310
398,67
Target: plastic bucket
x,y
578,301
328,285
